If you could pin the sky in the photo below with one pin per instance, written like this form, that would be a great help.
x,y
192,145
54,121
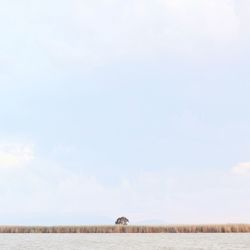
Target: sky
x,y
131,108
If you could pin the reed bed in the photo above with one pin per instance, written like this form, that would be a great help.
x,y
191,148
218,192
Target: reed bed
x,y
227,228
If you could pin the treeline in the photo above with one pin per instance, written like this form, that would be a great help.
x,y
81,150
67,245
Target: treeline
x,y
229,228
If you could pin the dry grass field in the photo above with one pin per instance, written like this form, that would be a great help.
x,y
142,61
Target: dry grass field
x,y
226,228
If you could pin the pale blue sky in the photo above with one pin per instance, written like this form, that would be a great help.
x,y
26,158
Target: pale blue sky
x,y
134,108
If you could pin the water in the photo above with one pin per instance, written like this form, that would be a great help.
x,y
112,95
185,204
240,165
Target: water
x,y
124,241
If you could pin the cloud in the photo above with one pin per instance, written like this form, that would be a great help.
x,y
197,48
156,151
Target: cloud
x,y
68,193
242,169
73,34
110,30
49,190
15,155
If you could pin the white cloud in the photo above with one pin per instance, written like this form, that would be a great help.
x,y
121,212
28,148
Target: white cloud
x,y
15,155
49,190
76,33
109,30
242,168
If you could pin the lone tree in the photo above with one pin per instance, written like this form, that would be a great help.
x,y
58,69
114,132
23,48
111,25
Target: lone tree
x,y
122,221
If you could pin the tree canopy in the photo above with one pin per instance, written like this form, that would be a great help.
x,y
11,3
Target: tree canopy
x,y
122,221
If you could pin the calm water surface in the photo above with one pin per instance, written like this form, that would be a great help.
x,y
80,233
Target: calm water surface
x,y
124,241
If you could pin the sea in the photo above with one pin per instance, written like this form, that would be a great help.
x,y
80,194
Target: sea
x,y
125,241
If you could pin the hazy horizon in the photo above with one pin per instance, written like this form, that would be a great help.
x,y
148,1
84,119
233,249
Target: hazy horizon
x,y
124,108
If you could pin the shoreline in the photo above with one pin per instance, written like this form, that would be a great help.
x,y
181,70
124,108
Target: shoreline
x,y
216,228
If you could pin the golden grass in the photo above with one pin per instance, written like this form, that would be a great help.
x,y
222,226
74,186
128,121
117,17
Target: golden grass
x,y
226,228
